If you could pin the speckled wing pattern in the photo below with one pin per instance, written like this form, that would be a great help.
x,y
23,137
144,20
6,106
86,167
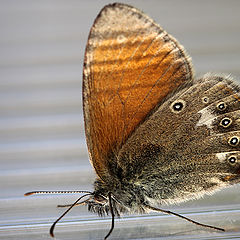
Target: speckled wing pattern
x,y
199,148
131,64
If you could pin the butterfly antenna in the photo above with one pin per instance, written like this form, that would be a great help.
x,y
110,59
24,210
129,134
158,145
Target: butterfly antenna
x,y
74,204
188,219
54,192
112,213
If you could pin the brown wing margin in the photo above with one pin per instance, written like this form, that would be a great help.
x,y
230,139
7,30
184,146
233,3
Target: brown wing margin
x,y
131,64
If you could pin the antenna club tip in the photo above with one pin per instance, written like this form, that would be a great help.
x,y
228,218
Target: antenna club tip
x,y
28,193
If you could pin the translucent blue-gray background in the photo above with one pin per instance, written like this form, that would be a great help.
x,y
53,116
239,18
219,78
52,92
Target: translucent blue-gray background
x,y
42,144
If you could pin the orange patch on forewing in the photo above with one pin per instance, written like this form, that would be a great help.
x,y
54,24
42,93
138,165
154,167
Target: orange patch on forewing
x,y
130,74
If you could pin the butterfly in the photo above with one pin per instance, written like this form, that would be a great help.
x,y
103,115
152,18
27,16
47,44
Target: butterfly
x,y
156,135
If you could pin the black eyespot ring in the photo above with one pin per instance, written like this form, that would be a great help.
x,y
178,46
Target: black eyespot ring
x,y
226,122
232,159
234,141
177,106
205,99
221,106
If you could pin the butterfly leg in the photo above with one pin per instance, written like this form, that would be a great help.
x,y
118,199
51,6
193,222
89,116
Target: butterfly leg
x,y
178,215
112,213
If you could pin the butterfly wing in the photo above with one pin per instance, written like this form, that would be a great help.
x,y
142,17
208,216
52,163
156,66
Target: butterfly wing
x,y
131,64
190,146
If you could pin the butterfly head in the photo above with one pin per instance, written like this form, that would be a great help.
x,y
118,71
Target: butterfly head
x,y
99,204
103,199
123,198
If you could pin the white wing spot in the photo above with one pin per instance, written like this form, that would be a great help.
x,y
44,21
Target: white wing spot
x,y
221,156
206,118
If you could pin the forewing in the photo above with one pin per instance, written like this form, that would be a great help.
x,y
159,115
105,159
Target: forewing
x,y
131,64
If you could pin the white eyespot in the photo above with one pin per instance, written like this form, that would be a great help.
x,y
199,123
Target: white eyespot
x,y
232,159
221,106
205,99
177,106
226,122
233,141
